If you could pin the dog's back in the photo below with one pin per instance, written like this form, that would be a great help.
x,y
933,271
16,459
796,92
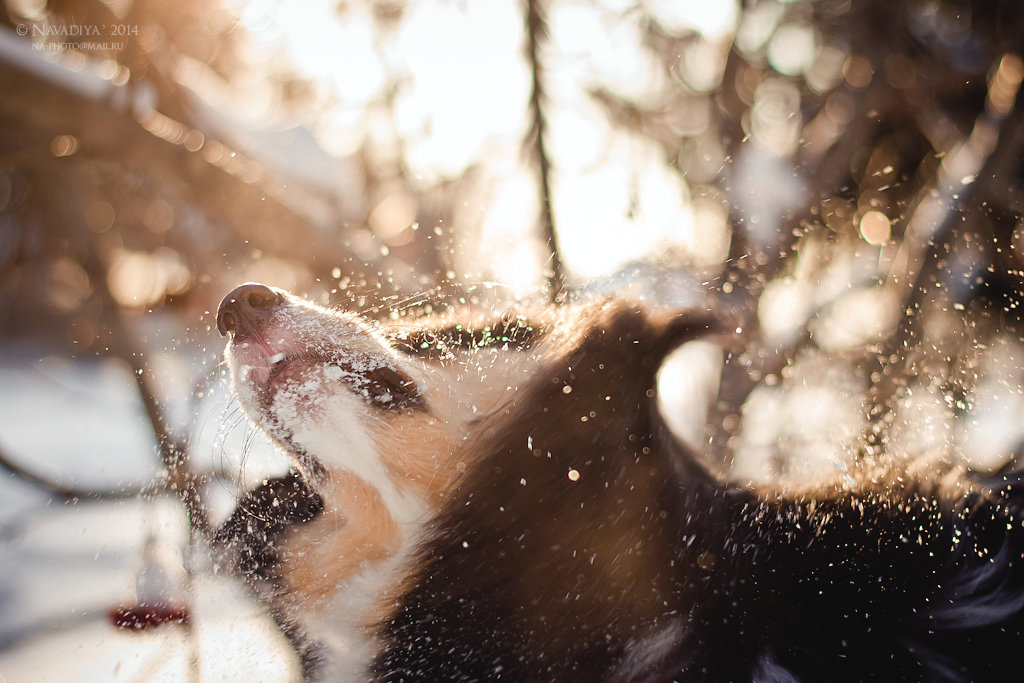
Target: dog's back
x,y
593,547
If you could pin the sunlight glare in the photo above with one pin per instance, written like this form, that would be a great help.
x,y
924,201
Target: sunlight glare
x,y
335,49
508,246
703,64
792,49
578,136
712,20
875,228
783,309
599,51
775,117
621,211
468,81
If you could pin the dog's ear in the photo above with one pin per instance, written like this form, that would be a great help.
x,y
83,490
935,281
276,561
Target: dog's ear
x,y
641,334
674,330
660,331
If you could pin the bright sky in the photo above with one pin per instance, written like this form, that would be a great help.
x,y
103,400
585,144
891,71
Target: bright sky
x,y
462,86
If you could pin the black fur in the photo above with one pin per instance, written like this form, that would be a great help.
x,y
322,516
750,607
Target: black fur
x,y
512,333
248,543
645,568
262,516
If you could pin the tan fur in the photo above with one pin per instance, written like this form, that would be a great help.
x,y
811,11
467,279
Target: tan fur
x,y
355,531
417,451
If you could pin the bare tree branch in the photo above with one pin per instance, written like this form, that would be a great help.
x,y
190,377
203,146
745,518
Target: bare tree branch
x,y
535,33
63,491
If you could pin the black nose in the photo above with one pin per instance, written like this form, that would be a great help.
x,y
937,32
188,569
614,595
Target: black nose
x,y
246,308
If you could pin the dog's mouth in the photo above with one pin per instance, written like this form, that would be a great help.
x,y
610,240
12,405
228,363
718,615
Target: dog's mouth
x,y
302,376
275,396
288,369
277,370
283,375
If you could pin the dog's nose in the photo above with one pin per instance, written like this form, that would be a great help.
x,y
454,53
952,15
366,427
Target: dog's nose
x,y
246,308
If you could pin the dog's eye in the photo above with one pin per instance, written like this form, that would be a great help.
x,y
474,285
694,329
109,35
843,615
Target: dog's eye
x,y
392,390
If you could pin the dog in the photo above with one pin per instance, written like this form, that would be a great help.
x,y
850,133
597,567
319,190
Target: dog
x,y
503,500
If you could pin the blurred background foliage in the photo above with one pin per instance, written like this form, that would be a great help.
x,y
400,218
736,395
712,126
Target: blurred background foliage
x,y
841,179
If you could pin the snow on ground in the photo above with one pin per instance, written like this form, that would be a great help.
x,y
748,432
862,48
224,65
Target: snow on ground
x,y
64,566
78,423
